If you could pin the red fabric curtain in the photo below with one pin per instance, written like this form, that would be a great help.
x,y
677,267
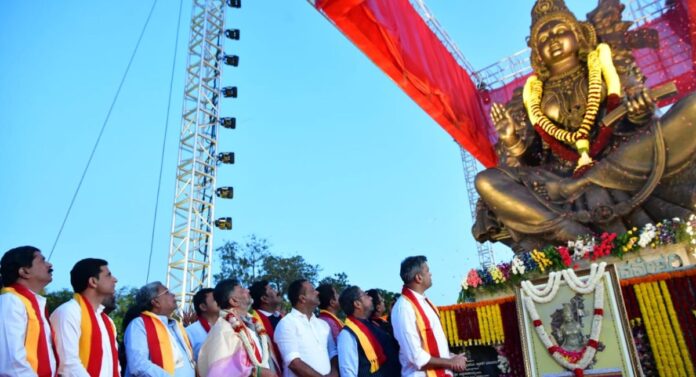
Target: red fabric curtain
x,y
394,36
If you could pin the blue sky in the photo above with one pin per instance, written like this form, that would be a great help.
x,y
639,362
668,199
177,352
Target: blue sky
x,y
334,162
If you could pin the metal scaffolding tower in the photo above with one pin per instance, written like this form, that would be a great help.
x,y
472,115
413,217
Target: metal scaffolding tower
x,y
191,242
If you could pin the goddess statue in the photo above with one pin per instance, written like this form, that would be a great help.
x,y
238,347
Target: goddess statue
x,y
568,333
582,150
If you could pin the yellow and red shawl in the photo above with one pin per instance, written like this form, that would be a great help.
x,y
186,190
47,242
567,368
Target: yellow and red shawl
x,y
35,340
161,352
425,330
369,344
91,351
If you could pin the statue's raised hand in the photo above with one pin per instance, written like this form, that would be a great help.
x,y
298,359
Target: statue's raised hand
x,y
640,105
504,124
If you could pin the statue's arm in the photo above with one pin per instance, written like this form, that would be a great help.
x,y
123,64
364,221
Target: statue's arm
x,y
515,139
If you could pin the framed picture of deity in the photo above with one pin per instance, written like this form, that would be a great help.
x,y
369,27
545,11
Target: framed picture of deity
x,y
573,323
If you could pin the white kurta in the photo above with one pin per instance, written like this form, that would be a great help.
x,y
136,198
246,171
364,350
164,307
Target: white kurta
x,y
13,330
67,323
411,353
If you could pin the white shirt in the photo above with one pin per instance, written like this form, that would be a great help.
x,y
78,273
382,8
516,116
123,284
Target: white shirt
x,y
13,329
411,353
309,340
197,335
347,354
67,323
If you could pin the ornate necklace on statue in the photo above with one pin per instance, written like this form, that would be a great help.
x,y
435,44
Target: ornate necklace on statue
x,y
599,64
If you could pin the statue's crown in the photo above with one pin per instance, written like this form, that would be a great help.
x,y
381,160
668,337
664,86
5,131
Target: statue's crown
x,y
543,8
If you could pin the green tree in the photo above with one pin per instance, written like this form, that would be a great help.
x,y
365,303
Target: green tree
x,y
282,271
55,299
125,297
243,261
338,280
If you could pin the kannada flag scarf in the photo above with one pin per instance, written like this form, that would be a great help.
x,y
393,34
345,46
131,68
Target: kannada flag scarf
x,y
159,344
91,351
325,314
424,329
266,323
369,344
35,340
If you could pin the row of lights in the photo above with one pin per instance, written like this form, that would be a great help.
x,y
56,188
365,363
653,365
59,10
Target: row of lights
x,y
227,192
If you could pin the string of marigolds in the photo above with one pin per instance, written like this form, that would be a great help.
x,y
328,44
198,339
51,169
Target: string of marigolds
x,y
663,328
481,323
555,258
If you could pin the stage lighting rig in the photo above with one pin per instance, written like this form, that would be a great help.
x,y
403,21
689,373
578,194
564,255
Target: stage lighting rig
x,y
229,91
224,223
225,192
234,3
229,122
232,34
232,60
226,157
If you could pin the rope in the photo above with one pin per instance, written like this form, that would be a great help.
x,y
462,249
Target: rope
x,y
164,139
101,132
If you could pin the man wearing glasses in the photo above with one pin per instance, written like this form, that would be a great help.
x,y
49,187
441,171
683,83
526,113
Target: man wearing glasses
x,y
156,345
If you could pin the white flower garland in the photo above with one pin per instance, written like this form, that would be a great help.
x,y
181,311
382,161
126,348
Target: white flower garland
x,y
241,329
596,273
593,283
545,294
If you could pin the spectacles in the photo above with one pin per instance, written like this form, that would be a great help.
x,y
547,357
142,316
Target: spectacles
x,y
164,292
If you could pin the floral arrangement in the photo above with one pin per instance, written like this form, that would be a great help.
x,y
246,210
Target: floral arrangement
x,y
555,258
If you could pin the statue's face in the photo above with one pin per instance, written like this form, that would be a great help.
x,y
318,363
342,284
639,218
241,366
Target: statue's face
x,y
556,41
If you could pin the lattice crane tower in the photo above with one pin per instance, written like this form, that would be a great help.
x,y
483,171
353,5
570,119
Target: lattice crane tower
x,y
191,238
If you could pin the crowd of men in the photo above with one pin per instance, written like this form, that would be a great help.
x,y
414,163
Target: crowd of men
x,y
240,331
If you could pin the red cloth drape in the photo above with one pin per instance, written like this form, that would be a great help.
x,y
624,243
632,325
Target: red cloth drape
x,y
394,36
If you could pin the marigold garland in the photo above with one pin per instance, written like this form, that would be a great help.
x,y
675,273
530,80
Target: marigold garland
x,y
458,322
663,328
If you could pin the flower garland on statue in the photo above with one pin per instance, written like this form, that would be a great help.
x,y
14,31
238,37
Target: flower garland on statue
x,y
578,361
257,359
599,64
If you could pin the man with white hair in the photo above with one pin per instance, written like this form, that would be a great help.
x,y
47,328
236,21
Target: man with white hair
x,y
156,345
237,345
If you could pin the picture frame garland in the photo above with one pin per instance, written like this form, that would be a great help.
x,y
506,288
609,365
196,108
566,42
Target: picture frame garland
x,y
576,362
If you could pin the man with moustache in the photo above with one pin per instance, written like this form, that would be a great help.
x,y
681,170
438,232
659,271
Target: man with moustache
x,y
266,304
305,342
328,308
265,309
364,349
26,348
237,345
85,335
208,312
417,326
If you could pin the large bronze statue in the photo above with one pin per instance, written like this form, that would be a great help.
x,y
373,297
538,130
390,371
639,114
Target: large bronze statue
x,y
581,150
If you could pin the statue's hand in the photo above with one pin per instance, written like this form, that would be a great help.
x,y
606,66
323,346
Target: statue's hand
x,y
504,124
640,105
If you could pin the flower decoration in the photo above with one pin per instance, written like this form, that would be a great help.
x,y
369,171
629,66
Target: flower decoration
x,y
555,258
